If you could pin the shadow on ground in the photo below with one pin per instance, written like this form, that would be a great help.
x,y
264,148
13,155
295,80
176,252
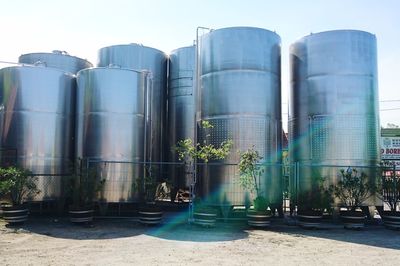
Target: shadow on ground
x,y
194,233
62,228
176,228
371,235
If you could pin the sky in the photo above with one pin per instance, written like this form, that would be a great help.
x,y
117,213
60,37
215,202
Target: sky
x,y
82,27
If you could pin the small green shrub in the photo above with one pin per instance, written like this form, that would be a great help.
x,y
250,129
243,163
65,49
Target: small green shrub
x,y
85,186
353,189
18,184
250,172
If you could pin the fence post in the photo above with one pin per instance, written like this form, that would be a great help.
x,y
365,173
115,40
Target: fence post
x,y
192,185
297,180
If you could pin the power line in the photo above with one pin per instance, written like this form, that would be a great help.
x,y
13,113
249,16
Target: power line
x,y
382,110
11,63
382,101
390,109
388,101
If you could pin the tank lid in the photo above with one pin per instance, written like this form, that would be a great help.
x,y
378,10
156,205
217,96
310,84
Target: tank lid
x,y
57,53
244,28
115,68
41,66
133,45
183,48
336,31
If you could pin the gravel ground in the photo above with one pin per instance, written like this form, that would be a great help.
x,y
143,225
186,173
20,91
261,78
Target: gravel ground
x,y
46,241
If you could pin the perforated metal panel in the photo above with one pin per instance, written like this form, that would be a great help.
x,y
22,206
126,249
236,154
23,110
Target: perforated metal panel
x,y
334,103
342,138
244,132
223,181
240,97
320,137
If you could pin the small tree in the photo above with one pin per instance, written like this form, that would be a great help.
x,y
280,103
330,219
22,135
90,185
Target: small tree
x,y
353,189
85,186
318,198
18,184
250,174
390,190
188,151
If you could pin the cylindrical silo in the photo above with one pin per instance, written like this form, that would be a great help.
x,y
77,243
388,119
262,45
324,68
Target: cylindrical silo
x,y
139,57
36,123
57,59
240,96
110,127
333,113
181,107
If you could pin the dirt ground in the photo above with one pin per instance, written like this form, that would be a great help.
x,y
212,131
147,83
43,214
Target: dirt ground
x,y
49,241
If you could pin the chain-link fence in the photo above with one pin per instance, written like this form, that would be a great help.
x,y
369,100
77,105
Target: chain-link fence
x,y
214,184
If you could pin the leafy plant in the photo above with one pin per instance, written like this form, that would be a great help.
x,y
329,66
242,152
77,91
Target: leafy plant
x,y
187,151
200,206
285,172
319,198
18,183
390,190
250,174
250,170
150,183
260,204
353,189
85,187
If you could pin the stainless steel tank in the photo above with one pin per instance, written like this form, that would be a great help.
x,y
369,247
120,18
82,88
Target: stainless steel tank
x,y
139,57
334,112
181,107
240,96
36,123
110,127
57,59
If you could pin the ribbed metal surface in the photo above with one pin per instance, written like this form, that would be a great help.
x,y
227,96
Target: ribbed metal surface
x,y
37,114
56,59
139,57
110,127
181,109
333,116
240,96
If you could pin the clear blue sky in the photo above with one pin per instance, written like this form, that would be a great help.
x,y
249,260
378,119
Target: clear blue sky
x,y
82,27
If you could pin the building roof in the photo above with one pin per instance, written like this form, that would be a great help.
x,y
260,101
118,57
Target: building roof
x,y
390,132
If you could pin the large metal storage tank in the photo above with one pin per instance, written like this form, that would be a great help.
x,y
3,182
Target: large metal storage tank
x,y
139,57
334,112
110,127
57,59
240,96
181,107
36,123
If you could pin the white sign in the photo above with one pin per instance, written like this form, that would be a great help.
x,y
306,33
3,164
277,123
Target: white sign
x,y
390,149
